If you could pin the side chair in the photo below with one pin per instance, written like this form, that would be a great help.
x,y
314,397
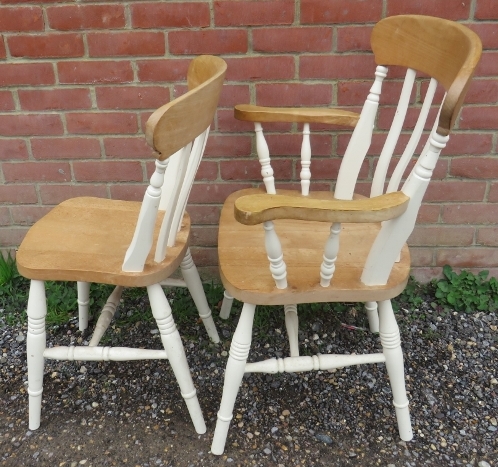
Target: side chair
x,y
295,258
128,244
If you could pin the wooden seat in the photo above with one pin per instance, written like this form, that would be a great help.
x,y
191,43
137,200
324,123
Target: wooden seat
x,y
66,253
128,244
316,246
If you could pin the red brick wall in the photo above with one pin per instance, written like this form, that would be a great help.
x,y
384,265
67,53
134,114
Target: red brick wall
x,y
78,81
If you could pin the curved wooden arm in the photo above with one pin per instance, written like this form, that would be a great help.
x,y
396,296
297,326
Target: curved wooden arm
x,y
255,113
259,208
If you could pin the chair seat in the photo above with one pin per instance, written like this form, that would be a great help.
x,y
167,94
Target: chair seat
x,y
244,266
85,239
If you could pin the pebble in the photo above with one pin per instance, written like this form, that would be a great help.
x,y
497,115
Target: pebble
x,y
323,438
267,451
483,464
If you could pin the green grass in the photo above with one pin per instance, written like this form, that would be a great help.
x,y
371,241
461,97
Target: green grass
x,y
462,292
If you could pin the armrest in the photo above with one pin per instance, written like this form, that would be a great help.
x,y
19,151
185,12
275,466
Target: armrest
x,y
259,208
254,113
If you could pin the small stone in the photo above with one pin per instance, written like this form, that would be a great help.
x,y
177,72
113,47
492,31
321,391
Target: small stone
x,y
36,454
492,428
154,331
323,438
20,338
229,460
83,369
274,430
224,354
483,464
285,413
95,405
83,462
250,435
267,451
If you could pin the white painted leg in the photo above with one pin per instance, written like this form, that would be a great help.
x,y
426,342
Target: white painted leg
x,y
239,350
176,354
226,306
83,304
35,345
391,343
292,325
194,284
373,316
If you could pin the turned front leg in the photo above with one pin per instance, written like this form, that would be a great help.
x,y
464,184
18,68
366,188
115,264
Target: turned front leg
x,y
239,350
176,354
391,344
35,346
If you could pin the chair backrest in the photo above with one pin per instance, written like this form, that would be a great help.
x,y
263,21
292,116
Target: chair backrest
x,y
448,53
178,133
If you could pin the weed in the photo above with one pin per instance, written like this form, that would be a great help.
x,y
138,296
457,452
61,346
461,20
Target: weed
x,y
466,291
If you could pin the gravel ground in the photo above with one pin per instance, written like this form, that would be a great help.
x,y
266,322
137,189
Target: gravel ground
x,y
131,413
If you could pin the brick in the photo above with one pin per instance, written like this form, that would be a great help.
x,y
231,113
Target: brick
x,y
47,46
65,148
108,171
479,118
162,70
353,38
19,19
482,91
19,74
209,193
228,146
428,214
467,257
55,194
6,101
170,15
440,235
212,41
421,256
493,193
55,99
28,215
3,53
487,236
474,167
204,214
292,39
36,172
251,169
486,9
204,256
234,94
425,275
204,236
290,145
94,72
253,13
131,97
12,237
29,125
11,149
468,143
449,9
340,11
228,124
328,169
128,192
488,66
487,33
337,66
5,217
356,93
101,123
455,191
73,17
125,43
293,94
18,194
260,68
478,213
208,170
128,148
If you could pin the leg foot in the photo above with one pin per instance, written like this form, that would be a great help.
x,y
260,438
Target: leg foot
x,y
391,343
35,346
239,350
176,354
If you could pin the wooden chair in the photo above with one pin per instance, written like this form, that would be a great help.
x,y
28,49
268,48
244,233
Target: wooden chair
x,y
128,244
373,263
